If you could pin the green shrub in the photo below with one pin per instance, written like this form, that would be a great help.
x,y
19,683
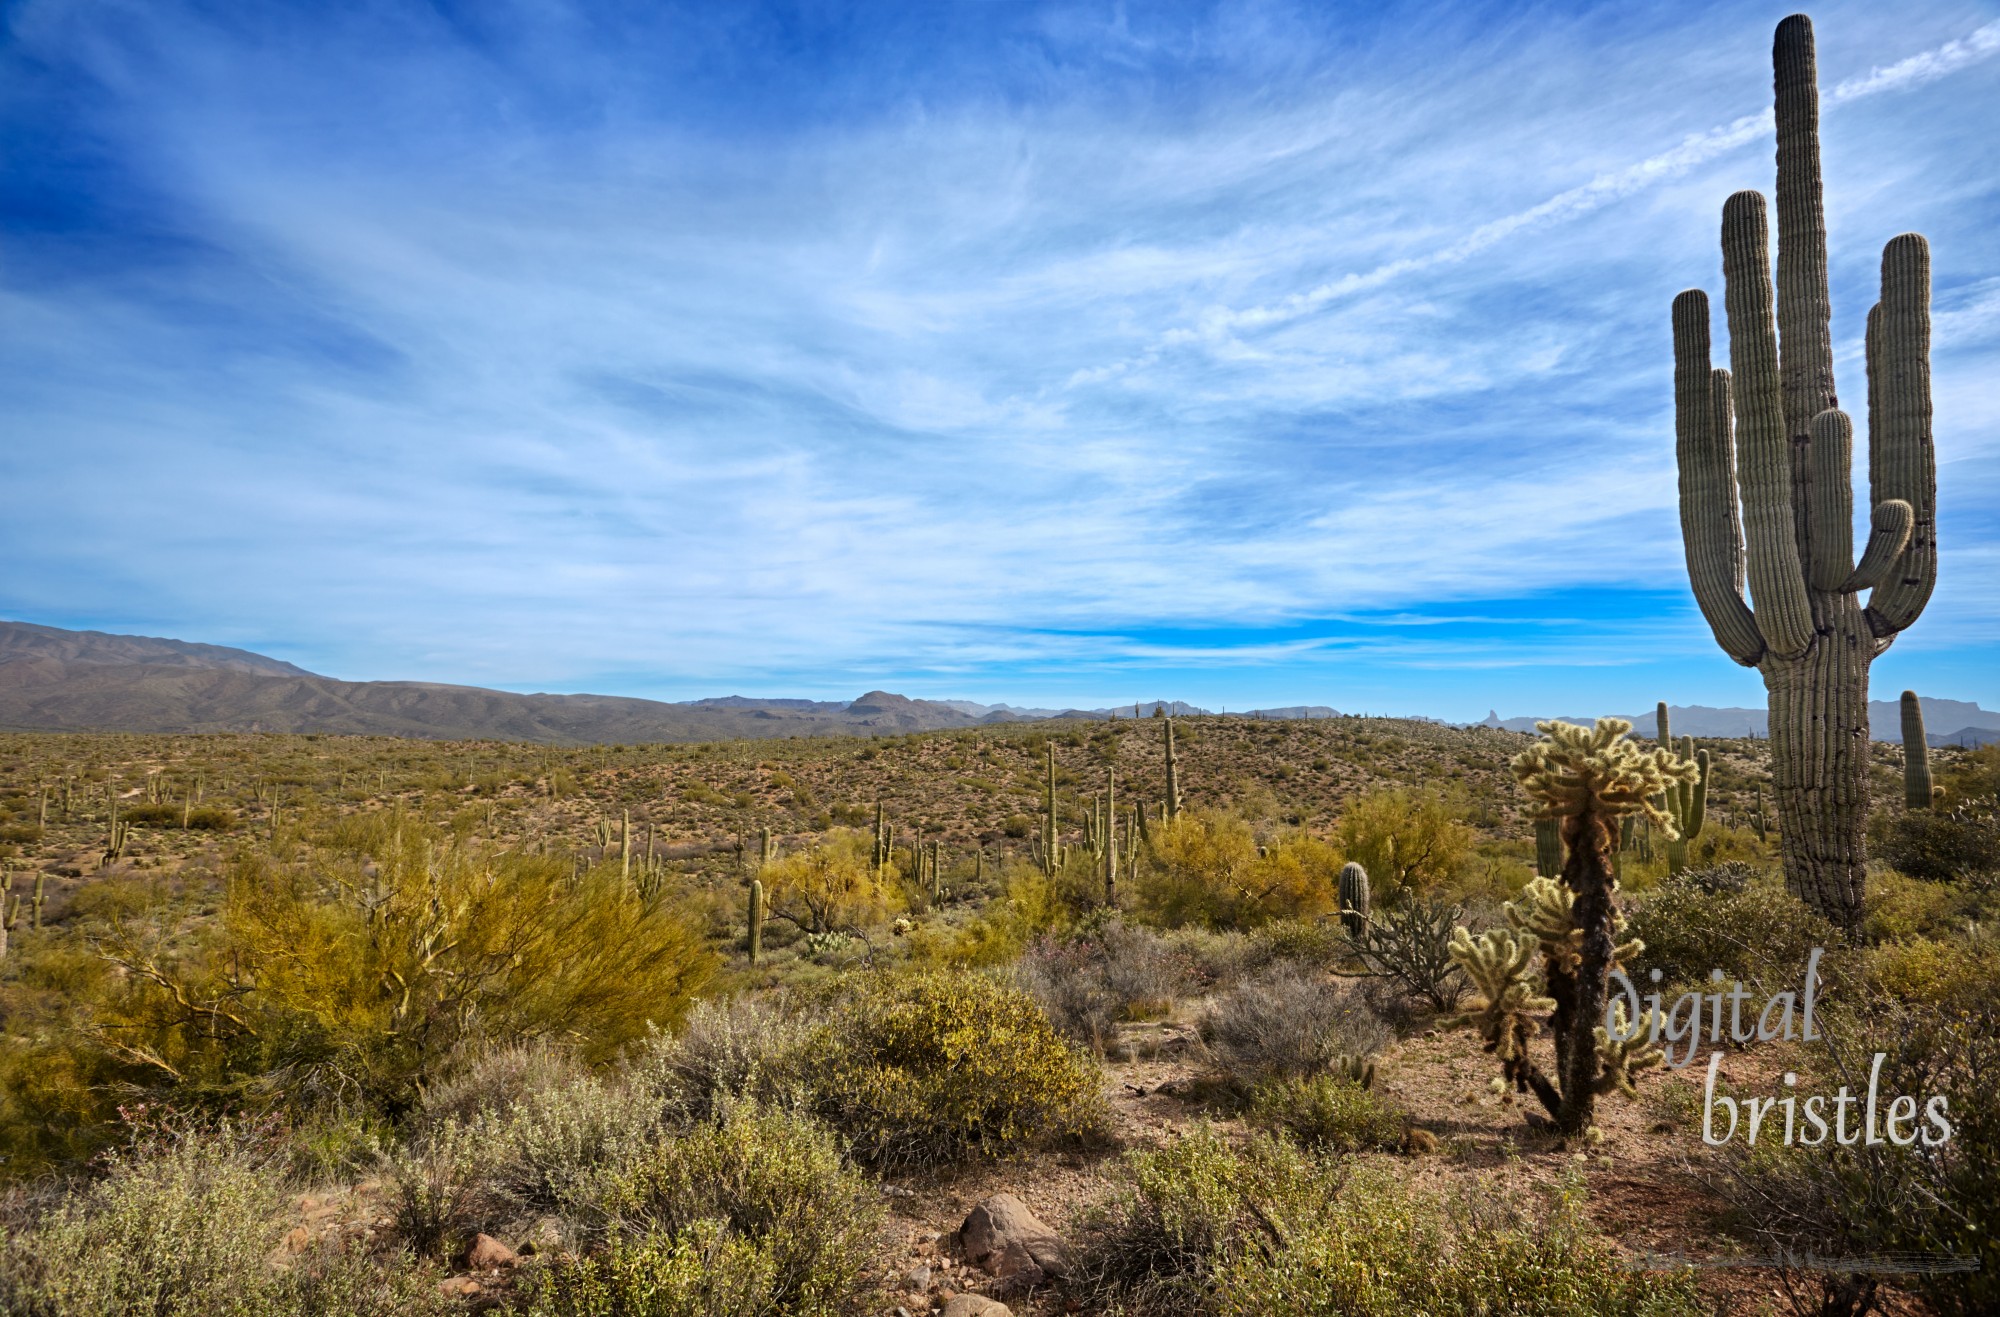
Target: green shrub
x,y
1959,845
1760,934
936,1067
1202,1230
703,1272
369,967
742,1048
183,1227
1327,1111
1409,842
769,1178
1096,977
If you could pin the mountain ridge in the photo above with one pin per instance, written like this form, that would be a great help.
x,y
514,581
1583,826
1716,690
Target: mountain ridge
x,y
53,679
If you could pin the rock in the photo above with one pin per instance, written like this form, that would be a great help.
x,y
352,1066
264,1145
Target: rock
x,y
917,1279
489,1254
544,1236
1004,1239
459,1286
976,1305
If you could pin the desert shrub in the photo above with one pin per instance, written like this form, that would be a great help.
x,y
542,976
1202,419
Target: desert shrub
x,y
1207,871
771,1179
1896,906
547,1151
831,886
1873,1200
1958,845
1327,1111
1409,944
703,1272
1934,973
211,818
1409,842
1381,1249
1319,943
494,1079
1215,958
743,1048
1286,1021
1201,1229
439,1194
1091,980
366,970
181,1225
152,815
1760,934
1728,877
937,1067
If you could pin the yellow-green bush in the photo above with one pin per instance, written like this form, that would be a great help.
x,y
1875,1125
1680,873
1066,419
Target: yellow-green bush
x,y
1204,1230
936,1067
770,1177
1327,1111
1207,872
353,975
1408,841
832,885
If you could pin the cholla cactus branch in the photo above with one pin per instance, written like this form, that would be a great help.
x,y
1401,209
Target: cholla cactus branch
x,y
1583,770
1623,1056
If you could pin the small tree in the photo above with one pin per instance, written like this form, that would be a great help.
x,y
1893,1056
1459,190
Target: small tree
x,y
1407,842
1586,780
832,886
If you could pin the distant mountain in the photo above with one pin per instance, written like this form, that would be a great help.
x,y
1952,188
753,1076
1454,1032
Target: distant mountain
x,y
56,680
1701,720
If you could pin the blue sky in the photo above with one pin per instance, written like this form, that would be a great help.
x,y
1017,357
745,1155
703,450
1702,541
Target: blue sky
x,y
1070,353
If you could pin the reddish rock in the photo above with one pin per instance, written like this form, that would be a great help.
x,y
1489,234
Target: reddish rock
x,y
1005,1240
489,1254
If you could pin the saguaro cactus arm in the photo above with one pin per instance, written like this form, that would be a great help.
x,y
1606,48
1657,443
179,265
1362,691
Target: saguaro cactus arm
x,y
1711,529
1902,455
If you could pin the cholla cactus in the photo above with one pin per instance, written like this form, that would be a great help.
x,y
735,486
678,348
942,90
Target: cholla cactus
x,y
1586,780
1578,772
1542,911
1630,1051
1498,964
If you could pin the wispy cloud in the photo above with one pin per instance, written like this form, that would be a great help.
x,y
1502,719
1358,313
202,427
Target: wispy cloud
x,y
554,346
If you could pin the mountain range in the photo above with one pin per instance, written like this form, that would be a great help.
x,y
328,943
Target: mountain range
x,y
57,680
1970,724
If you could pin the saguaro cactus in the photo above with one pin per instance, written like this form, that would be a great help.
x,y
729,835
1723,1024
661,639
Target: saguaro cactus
x,y
1687,804
1768,436
1173,802
1548,848
1917,792
1353,898
756,919
1051,856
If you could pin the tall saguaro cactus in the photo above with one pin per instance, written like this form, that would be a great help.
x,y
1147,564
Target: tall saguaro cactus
x,y
1767,437
1916,755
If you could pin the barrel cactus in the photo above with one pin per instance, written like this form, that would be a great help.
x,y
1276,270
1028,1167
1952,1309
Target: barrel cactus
x,y
1765,489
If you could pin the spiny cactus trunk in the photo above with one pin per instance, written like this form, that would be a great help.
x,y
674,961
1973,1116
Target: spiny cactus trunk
x,y
1768,434
1580,1001
1819,769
